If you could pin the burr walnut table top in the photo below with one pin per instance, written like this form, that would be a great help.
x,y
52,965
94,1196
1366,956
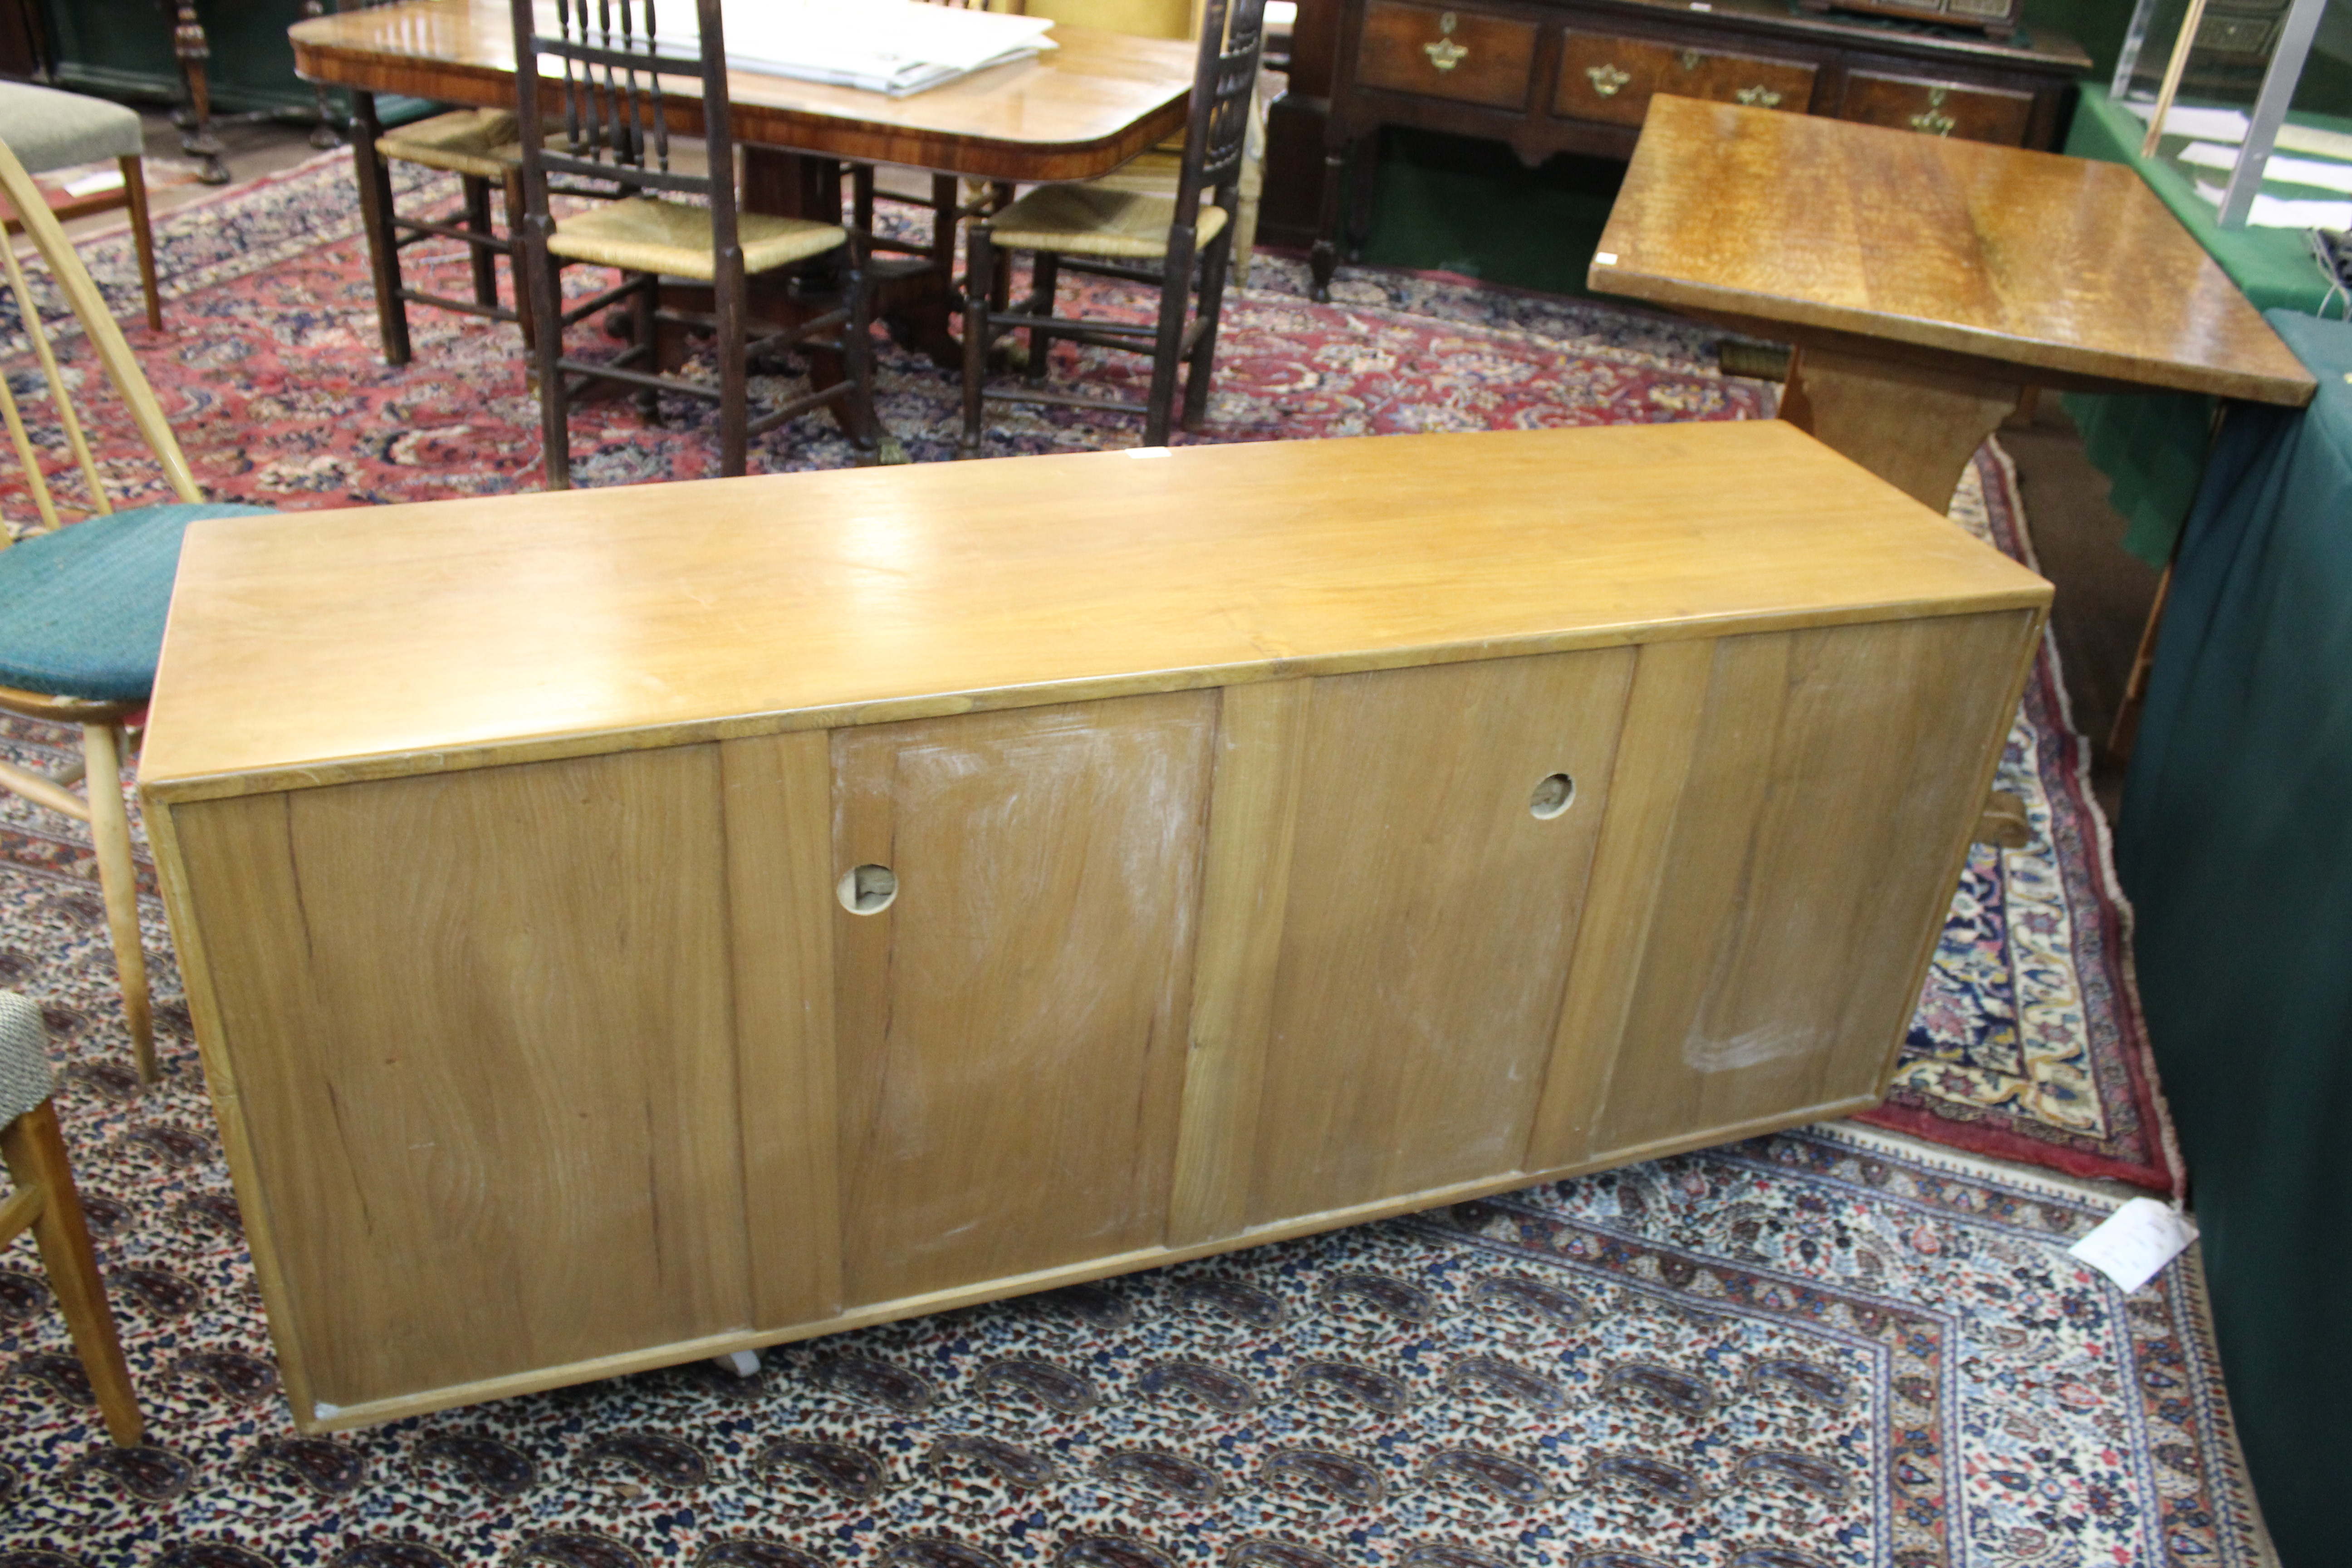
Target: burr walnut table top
x,y
1077,111
1961,254
317,646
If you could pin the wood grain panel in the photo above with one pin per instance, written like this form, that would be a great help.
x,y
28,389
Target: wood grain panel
x,y
1252,816
1938,108
1013,1028
1759,83
1492,57
309,648
779,795
480,1026
1914,427
1072,113
1866,238
1430,921
1835,778
1628,868
1611,79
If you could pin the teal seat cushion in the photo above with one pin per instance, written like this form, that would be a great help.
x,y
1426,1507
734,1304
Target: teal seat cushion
x,y
81,609
51,130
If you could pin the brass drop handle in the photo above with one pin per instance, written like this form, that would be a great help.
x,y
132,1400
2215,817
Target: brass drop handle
x,y
1445,54
1606,80
1931,120
1690,59
1759,97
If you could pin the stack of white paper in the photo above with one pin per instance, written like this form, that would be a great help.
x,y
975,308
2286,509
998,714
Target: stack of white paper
x,y
2321,174
2286,211
2229,125
2218,134
894,47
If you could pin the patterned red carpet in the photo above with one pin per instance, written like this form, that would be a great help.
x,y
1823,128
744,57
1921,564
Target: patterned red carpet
x,y
2028,1043
1826,1350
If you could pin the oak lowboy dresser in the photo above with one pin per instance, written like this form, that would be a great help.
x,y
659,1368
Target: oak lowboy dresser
x,y
1577,75
625,926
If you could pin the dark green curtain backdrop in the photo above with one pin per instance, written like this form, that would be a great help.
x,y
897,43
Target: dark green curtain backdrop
x,y
122,48
2236,848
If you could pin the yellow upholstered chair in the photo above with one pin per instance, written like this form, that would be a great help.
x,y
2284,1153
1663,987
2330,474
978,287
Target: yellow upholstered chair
x,y
1103,228
616,127
82,605
45,1203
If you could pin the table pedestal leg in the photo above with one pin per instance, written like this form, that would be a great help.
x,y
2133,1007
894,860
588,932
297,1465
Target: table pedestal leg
x,y
1916,428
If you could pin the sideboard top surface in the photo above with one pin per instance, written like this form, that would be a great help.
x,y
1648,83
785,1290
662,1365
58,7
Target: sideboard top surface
x,y
319,647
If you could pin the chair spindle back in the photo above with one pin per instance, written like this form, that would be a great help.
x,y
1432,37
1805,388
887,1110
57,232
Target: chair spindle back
x,y
73,280
617,115
1232,39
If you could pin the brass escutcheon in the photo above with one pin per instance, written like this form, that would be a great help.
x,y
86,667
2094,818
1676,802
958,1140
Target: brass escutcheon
x,y
1931,120
1445,54
1690,58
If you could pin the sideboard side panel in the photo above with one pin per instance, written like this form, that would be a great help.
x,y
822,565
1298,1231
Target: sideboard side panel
x,y
1834,772
480,1025
1431,917
1012,1026
780,888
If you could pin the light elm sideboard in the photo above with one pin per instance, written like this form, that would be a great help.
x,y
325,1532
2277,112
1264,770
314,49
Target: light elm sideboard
x,y
1250,841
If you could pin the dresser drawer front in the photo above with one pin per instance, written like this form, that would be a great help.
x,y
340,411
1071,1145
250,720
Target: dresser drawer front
x,y
1611,79
1742,78
1439,53
1938,108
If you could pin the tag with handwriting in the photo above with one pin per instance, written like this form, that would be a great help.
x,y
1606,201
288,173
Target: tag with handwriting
x,y
2136,1241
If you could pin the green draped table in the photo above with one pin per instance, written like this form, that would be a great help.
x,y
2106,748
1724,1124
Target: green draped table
x,y
2236,848
2152,446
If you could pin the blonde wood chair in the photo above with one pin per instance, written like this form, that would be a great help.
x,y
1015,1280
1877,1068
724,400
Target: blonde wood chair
x,y
46,1204
615,127
1149,237
52,130
82,605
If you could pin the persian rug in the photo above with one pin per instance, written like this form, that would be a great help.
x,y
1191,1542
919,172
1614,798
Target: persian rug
x,y
2027,1045
269,367
1830,1349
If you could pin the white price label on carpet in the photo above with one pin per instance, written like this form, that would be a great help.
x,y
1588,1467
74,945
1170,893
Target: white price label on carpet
x,y
2136,1241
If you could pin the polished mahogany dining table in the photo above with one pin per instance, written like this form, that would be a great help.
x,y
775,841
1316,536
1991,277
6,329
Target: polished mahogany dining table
x,y
1074,112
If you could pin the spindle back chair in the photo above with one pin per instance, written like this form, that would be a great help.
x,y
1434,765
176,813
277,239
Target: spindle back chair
x,y
1098,228
617,125
82,602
